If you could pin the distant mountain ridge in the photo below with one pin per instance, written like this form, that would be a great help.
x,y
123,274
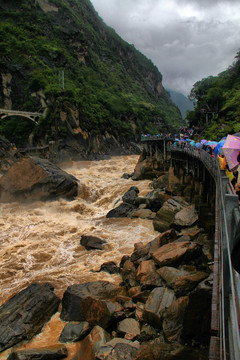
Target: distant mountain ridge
x,y
181,101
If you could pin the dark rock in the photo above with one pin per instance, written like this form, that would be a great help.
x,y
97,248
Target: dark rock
x,y
185,217
131,195
129,328
24,315
140,253
73,296
98,311
170,275
128,273
165,216
165,351
47,353
92,343
8,155
126,176
147,275
173,320
110,267
118,349
74,332
158,301
123,210
162,239
147,333
154,200
92,242
186,283
174,254
38,179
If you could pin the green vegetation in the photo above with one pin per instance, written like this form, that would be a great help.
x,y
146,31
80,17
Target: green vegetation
x,y
218,101
110,83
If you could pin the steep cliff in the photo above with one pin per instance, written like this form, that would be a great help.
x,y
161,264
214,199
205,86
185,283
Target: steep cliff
x,y
97,92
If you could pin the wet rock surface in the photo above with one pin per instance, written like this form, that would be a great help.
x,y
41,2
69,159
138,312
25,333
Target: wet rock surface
x,y
24,315
38,179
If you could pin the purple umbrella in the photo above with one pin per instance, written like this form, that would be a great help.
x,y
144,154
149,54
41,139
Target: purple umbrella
x,y
204,142
199,145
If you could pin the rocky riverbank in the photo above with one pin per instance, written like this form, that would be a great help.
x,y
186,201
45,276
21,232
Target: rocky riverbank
x,y
161,309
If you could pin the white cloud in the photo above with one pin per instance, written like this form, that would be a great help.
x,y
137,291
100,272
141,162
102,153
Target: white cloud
x,y
186,39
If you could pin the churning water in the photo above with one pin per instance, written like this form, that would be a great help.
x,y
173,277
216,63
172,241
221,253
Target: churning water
x,y
40,242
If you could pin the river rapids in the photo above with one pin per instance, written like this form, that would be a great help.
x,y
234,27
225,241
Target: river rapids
x,y
40,242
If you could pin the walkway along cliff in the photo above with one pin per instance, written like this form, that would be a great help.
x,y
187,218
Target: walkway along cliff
x,y
195,174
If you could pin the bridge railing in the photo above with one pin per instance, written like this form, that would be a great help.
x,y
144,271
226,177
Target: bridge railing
x,y
225,324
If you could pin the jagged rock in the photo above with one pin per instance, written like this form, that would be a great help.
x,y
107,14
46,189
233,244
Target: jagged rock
x,y
98,311
131,195
185,283
165,351
140,253
147,276
8,155
126,176
147,333
128,273
118,349
185,217
129,328
145,168
143,214
123,210
74,332
165,216
193,232
197,317
162,239
110,267
92,242
38,179
170,274
47,353
92,343
154,200
24,315
174,254
73,296
173,319
139,295
158,301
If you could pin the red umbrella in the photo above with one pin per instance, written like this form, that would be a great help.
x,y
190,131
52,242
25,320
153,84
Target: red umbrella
x,y
231,149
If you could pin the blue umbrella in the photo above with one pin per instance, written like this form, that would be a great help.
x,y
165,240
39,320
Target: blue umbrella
x,y
193,144
217,148
199,145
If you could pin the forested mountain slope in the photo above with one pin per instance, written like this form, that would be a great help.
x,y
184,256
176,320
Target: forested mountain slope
x,y
217,101
97,92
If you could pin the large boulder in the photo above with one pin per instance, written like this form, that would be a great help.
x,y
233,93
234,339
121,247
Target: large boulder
x,y
165,216
123,210
92,343
185,217
174,254
92,242
73,332
73,296
118,349
24,315
158,301
54,352
37,179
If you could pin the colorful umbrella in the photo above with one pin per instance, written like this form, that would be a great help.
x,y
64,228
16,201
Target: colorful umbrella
x,y
231,149
193,144
199,145
217,148
204,141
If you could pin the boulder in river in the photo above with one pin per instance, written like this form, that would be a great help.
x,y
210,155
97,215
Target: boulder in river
x,y
92,242
73,296
24,315
37,179
54,352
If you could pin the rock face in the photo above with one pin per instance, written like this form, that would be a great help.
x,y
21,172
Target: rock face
x,y
24,315
50,353
38,179
73,296
92,242
8,155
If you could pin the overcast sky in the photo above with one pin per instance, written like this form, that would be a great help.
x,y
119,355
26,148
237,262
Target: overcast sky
x,y
186,39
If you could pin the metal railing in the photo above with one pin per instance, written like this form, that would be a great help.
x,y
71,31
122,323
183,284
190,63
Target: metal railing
x,y
225,323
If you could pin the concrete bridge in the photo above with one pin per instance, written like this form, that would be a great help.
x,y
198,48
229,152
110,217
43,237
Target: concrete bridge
x,y
33,116
225,309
